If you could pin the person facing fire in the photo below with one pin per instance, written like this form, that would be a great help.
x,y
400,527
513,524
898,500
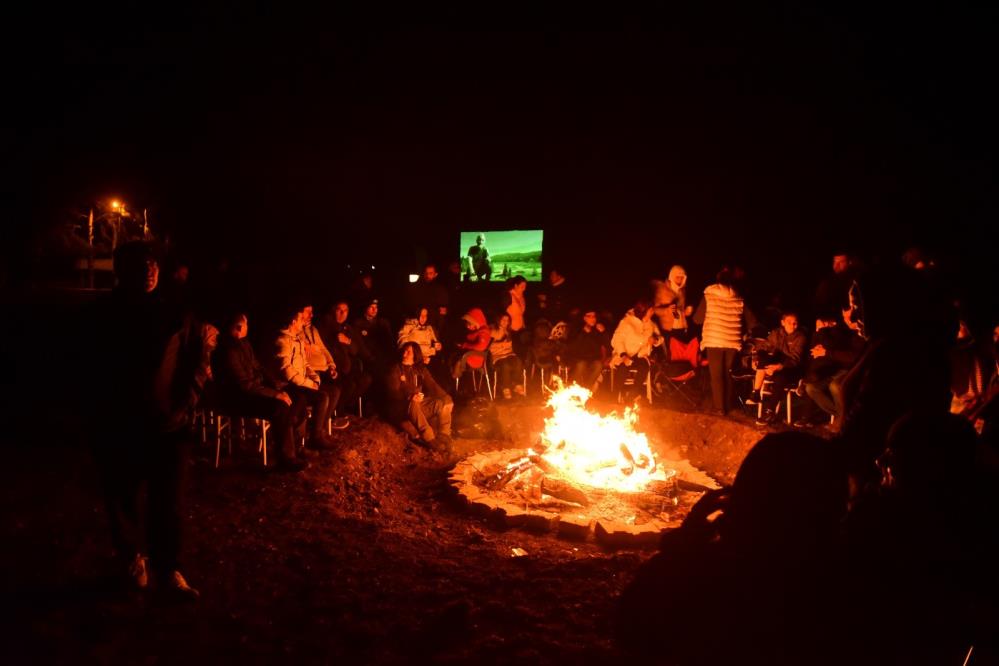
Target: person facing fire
x,y
303,381
471,352
348,352
245,388
781,360
632,343
670,302
415,399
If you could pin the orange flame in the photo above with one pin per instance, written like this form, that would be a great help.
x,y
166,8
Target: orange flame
x,y
599,451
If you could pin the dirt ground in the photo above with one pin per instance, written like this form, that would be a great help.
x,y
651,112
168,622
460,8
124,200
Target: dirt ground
x,y
363,558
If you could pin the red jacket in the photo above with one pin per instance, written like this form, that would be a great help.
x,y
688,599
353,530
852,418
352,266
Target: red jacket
x,y
477,340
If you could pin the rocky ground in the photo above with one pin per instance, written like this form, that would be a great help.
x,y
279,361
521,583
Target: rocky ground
x,y
363,558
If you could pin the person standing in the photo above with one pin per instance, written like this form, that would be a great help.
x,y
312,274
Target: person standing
x,y
670,302
151,356
723,315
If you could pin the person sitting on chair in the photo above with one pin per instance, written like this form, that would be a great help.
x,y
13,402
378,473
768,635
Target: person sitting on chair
x,y
586,351
509,368
303,381
782,356
835,348
244,388
348,351
548,344
319,358
414,399
418,329
634,339
476,340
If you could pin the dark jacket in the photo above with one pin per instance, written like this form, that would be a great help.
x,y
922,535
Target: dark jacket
x,y
237,371
843,348
376,337
590,346
405,381
345,356
150,355
430,295
789,350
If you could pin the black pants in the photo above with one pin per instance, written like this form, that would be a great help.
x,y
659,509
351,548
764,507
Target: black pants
x,y
630,379
720,360
586,373
353,385
301,399
333,388
271,409
782,380
509,373
128,458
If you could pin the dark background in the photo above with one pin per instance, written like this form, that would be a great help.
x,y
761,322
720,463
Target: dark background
x,y
296,141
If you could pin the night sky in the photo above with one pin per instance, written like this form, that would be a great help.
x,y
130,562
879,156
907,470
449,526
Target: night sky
x,y
763,136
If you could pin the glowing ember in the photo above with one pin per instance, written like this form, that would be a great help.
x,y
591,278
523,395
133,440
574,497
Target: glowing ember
x,y
600,451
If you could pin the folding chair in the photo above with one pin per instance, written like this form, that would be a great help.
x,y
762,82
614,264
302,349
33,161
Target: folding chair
x,y
478,375
679,370
223,427
629,380
495,378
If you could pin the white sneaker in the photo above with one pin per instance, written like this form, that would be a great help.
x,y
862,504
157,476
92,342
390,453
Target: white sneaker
x,y
138,571
178,587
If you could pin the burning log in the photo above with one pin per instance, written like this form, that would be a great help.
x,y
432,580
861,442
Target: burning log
x,y
564,490
505,475
631,462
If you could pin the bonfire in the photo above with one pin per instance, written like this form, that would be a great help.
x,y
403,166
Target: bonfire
x,y
585,459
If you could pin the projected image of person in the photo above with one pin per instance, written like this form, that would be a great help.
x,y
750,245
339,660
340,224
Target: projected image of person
x,y
481,262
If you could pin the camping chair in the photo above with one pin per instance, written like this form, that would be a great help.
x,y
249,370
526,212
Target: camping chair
x,y
223,428
679,370
478,375
629,375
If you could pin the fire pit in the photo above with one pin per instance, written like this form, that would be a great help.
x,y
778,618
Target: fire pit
x,y
586,476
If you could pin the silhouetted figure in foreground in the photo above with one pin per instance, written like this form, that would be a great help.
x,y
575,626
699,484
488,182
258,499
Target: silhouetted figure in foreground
x,y
922,580
752,576
149,354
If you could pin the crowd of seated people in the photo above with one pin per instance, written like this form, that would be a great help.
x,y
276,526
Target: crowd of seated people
x,y
331,364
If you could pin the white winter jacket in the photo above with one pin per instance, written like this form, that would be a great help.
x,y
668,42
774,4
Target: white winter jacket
x,y
291,361
723,318
632,337
425,336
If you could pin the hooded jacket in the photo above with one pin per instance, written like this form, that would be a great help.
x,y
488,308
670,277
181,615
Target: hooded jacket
x,y
667,294
477,340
